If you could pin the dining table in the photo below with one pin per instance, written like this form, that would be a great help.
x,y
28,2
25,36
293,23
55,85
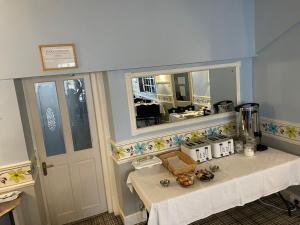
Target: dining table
x,y
6,208
240,180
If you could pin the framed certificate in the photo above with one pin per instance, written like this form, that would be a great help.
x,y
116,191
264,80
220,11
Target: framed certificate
x,y
58,56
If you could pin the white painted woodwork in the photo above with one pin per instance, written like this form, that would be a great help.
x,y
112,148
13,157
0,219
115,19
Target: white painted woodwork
x,y
74,187
104,134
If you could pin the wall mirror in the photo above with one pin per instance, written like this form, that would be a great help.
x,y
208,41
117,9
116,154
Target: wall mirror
x,y
167,98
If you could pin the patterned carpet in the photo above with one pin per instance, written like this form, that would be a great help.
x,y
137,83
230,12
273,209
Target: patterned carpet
x,y
254,213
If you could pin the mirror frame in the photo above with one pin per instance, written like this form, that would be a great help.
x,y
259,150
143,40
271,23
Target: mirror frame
x,y
128,76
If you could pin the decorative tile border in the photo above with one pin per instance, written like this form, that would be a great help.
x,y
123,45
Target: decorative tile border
x,y
15,174
281,129
168,142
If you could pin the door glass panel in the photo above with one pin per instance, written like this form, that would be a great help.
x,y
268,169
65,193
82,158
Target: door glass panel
x,y
50,118
78,113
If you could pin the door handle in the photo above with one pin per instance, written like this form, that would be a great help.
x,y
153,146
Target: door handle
x,y
45,167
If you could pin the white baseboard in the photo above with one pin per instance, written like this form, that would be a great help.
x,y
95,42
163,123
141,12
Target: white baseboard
x,y
132,219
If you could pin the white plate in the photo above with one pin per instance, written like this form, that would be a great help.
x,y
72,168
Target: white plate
x,y
9,196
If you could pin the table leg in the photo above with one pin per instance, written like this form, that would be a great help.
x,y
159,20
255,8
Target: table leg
x,y
147,216
287,204
11,218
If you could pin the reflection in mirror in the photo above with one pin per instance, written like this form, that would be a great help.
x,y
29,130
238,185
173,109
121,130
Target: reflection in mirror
x,y
168,98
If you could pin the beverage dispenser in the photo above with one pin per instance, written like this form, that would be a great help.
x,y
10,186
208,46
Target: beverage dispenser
x,y
249,124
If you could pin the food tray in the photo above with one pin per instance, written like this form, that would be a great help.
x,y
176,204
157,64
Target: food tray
x,y
190,167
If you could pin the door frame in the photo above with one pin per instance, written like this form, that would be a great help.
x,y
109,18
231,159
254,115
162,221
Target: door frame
x,y
103,134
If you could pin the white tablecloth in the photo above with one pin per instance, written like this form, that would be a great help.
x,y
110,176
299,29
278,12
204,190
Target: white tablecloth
x,y
239,181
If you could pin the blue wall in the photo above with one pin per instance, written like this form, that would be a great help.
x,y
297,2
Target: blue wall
x,y
273,18
112,35
119,103
118,34
276,70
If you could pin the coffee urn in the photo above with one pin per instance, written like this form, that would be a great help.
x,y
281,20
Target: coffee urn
x,y
248,125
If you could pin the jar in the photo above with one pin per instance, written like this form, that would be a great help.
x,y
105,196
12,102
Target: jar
x,y
238,146
249,149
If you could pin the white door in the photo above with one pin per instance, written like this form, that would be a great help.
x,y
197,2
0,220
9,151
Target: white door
x,y
66,136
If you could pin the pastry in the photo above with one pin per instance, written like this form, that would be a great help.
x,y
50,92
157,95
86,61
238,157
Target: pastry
x,y
185,180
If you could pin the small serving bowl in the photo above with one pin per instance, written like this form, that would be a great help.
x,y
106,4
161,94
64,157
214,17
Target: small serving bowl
x,y
204,175
214,168
165,182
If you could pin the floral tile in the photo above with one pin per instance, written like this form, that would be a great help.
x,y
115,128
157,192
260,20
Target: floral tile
x,y
16,175
169,141
282,129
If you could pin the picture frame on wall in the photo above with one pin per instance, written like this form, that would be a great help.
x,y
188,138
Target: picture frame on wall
x,y
58,56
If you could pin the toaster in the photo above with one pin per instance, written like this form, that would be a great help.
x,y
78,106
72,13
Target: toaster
x,y
221,145
200,151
